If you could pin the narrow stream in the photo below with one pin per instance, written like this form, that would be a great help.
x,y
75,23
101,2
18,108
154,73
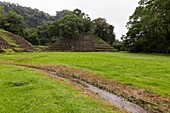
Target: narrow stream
x,y
114,99
109,97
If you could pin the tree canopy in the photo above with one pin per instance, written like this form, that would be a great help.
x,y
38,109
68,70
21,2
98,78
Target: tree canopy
x,y
40,28
104,30
12,22
32,17
149,27
74,23
2,14
70,25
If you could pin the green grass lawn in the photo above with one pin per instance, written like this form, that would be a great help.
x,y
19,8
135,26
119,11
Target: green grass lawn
x,y
23,90
151,72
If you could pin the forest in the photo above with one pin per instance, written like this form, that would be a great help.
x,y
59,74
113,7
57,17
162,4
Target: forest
x,y
149,28
40,28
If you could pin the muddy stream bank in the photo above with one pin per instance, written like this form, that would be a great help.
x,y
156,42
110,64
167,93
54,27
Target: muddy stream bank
x,y
107,96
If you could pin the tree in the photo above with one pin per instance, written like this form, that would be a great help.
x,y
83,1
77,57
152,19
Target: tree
x,y
2,15
104,30
13,23
46,33
86,19
54,29
31,36
32,17
70,25
148,33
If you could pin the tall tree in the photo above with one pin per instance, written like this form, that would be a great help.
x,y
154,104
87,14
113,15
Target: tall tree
x,y
32,17
2,14
149,27
104,30
14,23
86,19
70,25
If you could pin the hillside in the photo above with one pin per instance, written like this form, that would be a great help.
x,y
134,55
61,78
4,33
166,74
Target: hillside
x,y
11,42
32,17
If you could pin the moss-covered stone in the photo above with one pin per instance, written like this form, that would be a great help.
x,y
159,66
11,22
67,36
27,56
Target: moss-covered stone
x,y
8,51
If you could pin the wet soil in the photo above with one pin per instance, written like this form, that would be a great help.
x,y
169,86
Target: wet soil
x,y
107,96
114,99
83,88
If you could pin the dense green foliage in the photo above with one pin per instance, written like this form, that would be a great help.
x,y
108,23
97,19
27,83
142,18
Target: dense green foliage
x,y
70,25
118,45
149,27
150,72
104,30
26,91
87,23
31,24
42,35
40,28
32,17
12,22
2,14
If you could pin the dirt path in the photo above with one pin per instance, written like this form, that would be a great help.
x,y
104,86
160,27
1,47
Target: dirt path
x,y
147,100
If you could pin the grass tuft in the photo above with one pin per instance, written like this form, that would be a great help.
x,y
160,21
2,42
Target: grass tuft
x,y
18,83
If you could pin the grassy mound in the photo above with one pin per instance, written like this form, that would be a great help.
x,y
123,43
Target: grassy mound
x,y
13,43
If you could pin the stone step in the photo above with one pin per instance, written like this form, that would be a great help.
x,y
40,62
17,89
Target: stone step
x,y
82,43
107,50
104,47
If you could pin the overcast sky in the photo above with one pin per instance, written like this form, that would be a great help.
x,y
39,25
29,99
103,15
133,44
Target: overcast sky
x,y
116,12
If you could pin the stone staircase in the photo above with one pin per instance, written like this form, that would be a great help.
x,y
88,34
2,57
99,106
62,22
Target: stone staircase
x,y
59,47
61,44
81,44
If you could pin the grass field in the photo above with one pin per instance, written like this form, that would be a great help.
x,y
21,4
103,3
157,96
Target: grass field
x,y
23,90
151,72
